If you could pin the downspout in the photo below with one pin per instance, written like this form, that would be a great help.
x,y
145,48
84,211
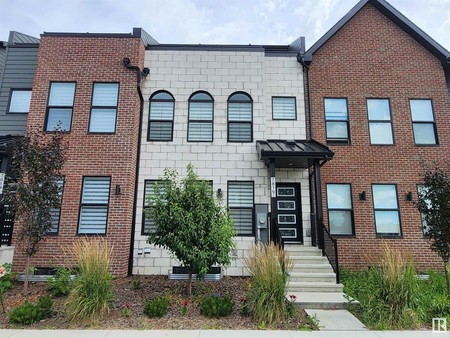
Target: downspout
x,y
306,78
144,73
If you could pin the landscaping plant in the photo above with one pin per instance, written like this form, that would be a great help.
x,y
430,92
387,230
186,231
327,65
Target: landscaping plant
x,y
136,283
28,313
6,278
216,306
190,223
434,206
156,307
90,296
32,190
184,307
126,309
61,283
268,266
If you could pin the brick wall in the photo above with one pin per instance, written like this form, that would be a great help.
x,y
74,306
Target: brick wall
x,y
86,60
371,57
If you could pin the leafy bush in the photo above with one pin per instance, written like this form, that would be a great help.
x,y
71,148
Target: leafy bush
x,y
6,279
61,283
136,283
28,313
216,306
268,266
157,307
90,296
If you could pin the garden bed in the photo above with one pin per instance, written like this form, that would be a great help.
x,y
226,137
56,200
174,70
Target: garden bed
x,y
152,286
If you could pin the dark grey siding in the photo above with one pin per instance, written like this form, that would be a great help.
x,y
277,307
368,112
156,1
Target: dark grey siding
x,y
18,73
2,61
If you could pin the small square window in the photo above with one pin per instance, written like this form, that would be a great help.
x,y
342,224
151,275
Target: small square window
x,y
20,101
424,124
283,108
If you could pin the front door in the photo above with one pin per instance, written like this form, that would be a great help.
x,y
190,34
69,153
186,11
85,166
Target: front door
x,y
288,212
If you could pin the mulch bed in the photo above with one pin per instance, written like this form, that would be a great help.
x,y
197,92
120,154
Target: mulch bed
x,y
151,286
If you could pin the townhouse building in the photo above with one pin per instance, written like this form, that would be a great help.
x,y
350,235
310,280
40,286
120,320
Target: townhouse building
x,y
308,148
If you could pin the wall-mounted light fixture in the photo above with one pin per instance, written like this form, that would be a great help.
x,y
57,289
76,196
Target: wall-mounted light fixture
x,y
219,193
409,196
117,191
362,196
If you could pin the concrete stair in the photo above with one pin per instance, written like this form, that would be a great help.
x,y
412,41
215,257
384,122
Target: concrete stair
x,y
313,280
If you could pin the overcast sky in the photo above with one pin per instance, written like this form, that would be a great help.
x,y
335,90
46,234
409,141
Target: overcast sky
x,y
208,21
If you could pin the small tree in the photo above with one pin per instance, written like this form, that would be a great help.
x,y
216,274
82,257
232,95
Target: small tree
x,y
33,190
434,205
190,223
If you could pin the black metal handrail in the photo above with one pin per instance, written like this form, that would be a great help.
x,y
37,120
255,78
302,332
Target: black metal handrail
x,y
330,250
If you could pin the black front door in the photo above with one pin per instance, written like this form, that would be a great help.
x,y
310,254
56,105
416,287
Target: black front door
x,y
288,212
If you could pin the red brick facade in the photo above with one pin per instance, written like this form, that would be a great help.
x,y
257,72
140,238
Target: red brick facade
x,y
371,57
85,60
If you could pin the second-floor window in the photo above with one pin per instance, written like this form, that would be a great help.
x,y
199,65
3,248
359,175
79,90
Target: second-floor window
x,y
336,120
240,118
380,122
104,108
60,106
283,108
424,124
19,101
160,125
200,125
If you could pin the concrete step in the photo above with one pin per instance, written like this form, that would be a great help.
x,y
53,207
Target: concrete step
x,y
303,251
314,287
327,277
309,259
319,300
323,268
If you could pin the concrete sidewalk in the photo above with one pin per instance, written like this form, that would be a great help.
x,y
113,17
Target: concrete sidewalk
x,y
213,334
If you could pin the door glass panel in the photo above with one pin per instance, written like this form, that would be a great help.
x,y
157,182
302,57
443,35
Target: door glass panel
x,y
285,192
286,219
288,233
286,205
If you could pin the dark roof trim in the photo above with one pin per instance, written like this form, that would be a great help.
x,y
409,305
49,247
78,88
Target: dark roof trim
x,y
310,149
91,35
398,18
269,50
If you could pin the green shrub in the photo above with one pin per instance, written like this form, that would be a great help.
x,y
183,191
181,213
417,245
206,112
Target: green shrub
x,y
89,298
136,283
216,306
157,307
268,266
60,284
28,313
6,281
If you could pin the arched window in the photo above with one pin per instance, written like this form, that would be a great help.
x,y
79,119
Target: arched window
x,y
240,118
201,116
160,122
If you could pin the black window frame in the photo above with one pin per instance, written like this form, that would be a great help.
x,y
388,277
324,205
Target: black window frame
x,y
167,121
93,204
347,141
433,123
59,107
50,233
11,91
116,107
352,215
247,208
200,121
390,121
387,235
295,107
237,122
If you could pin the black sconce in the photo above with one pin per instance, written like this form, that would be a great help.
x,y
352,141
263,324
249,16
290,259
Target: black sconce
x,y
117,192
362,196
219,193
409,196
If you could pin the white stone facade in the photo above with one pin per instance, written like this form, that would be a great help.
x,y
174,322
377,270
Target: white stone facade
x,y
220,73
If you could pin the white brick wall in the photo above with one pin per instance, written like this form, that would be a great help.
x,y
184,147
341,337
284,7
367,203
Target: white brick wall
x,y
220,74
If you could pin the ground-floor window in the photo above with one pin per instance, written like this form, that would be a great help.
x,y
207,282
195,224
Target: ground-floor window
x,y
56,212
385,206
240,202
340,209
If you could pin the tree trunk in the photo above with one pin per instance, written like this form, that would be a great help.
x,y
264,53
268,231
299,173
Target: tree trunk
x,y
446,276
190,282
27,274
